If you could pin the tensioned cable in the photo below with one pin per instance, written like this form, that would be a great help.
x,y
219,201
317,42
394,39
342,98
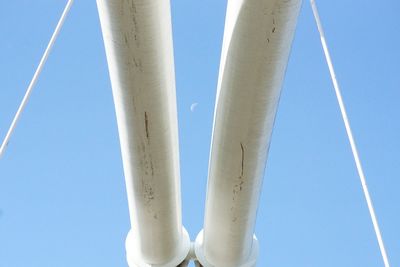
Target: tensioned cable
x,y
35,76
350,135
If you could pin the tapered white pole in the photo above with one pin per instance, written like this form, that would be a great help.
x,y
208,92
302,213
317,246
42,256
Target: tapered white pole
x,y
138,41
257,40
350,136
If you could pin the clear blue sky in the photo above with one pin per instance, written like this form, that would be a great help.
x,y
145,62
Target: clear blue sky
x,y
62,192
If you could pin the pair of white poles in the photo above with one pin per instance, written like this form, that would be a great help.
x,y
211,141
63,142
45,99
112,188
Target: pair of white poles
x,y
138,41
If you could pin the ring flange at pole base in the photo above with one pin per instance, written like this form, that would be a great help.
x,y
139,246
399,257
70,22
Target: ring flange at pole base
x,y
134,258
199,251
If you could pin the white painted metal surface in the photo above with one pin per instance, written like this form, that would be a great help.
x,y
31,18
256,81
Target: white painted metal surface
x,y
257,40
138,41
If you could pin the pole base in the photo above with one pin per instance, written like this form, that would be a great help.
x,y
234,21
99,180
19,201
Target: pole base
x,y
135,260
199,251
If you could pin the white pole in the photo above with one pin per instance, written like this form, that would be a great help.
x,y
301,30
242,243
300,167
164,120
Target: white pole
x,y
350,135
257,41
138,41
35,77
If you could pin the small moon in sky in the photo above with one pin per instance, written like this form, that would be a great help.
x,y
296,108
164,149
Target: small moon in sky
x,y
193,106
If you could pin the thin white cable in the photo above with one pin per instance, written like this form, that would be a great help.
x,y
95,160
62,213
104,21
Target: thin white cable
x,y
350,135
35,76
